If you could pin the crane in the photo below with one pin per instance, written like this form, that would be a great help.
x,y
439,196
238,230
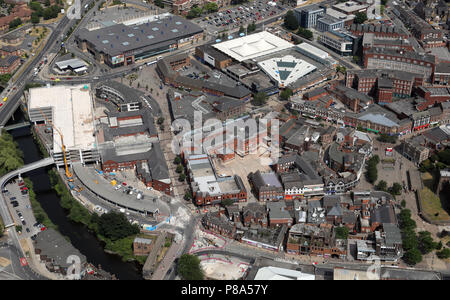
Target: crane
x,y
68,174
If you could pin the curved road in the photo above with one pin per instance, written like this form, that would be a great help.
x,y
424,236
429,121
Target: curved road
x,y
27,272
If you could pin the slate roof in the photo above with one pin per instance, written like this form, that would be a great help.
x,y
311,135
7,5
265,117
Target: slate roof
x,y
383,214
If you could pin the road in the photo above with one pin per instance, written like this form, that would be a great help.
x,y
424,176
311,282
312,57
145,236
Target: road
x,y
3,180
5,213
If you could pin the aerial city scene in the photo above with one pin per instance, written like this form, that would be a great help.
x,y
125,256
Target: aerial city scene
x,y
225,140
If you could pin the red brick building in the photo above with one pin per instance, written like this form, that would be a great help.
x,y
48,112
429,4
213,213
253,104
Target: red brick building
x,y
142,246
9,64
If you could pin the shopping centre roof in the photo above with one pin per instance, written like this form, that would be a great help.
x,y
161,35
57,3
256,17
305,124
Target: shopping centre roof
x,y
252,46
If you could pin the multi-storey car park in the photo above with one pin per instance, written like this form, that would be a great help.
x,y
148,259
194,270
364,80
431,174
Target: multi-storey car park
x,y
121,45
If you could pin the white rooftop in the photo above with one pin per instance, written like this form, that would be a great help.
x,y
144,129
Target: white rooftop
x,y
252,46
286,70
338,14
74,63
203,175
313,50
274,273
72,114
350,6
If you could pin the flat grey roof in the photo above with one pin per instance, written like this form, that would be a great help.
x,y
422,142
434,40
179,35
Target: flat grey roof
x,y
117,39
74,63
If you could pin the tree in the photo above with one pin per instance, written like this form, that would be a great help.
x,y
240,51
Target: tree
x,y
241,29
341,69
179,169
210,7
182,177
409,240
444,156
35,18
342,232
15,23
426,243
188,267
51,12
360,17
188,195
195,12
177,160
385,138
396,189
286,94
305,33
159,3
11,158
251,27
444,254
260,98
372,173
403,203
413,256
290,21
160,120
114,226
381,186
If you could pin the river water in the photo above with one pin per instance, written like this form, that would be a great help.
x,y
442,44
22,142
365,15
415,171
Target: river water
x,y
81,238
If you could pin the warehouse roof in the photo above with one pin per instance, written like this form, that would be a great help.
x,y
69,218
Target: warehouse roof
x,y
117,39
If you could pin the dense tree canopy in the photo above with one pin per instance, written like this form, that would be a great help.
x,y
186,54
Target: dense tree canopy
x,y
195,12
290,21
189,267
15,23
360,17
305,33
210,7
114,226
413,256
11,158
260,98
286,94
342,232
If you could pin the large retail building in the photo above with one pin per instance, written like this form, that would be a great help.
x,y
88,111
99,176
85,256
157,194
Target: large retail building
x,y
120,45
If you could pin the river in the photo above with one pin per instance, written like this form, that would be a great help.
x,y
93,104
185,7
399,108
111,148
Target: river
x,y
81,238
